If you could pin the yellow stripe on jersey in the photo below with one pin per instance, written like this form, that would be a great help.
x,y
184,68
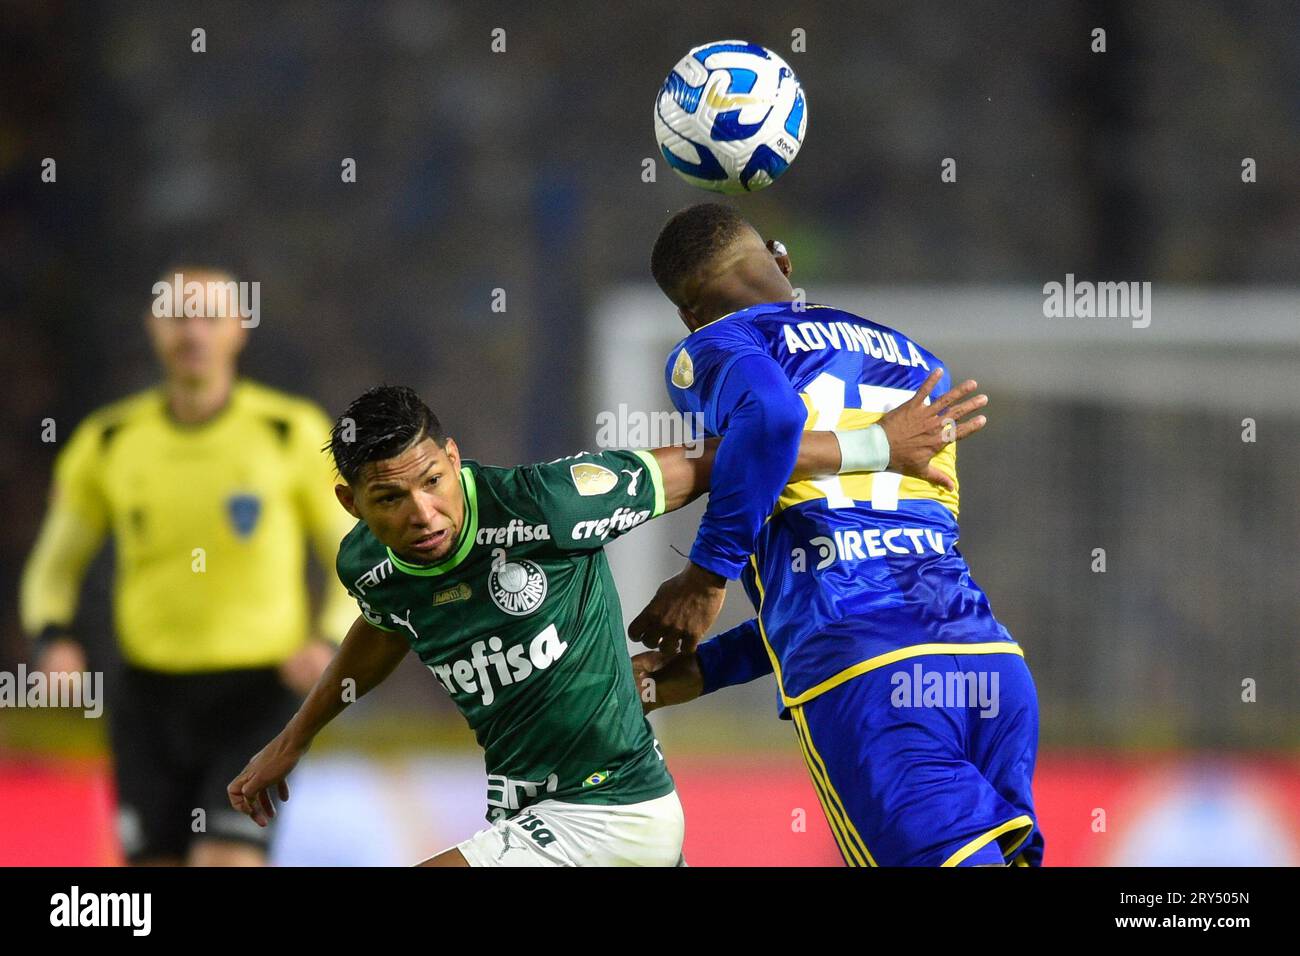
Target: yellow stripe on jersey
x,y
817,767
847,850
1024,823
900,654
871,663
210,522
762,630
882,489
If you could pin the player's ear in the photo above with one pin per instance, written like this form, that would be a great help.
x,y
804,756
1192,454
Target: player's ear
x,y
782,257
344,494
453,453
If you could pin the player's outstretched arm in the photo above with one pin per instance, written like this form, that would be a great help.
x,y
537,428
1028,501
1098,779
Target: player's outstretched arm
x,y
687,472
912,434
905,440
367,656
687,604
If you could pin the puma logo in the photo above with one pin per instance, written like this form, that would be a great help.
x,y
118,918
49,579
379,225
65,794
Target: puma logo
x,y
631,485
405,623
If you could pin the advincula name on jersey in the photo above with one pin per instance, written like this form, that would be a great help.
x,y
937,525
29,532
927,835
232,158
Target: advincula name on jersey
x,y
815,336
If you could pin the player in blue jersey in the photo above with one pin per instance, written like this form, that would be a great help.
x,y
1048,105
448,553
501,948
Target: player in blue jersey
x,y
915,711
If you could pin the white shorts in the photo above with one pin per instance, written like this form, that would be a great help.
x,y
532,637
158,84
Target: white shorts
x,y
552,833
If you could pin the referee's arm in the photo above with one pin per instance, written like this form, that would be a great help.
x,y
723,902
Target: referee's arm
x,y
326,524
73,531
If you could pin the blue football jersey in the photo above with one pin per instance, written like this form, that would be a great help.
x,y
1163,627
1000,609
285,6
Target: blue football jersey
x,y
850,572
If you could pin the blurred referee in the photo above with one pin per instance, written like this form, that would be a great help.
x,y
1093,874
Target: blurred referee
x,y
211,487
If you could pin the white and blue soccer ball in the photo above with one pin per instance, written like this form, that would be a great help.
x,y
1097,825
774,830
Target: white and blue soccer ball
x,y
730,117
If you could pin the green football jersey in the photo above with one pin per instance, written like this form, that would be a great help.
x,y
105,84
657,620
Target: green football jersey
x,y
521,624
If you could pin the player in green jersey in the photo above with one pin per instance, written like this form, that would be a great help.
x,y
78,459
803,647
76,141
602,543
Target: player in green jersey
x,y
497,579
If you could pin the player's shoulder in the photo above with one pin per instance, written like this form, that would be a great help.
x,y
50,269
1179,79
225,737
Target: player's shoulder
x,y
899,341
828,313
360,552
488,475
500,482
512,485
735,329
715,345
499,492
581,475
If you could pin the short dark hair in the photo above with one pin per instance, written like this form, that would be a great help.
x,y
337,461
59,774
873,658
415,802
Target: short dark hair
x,y
689,241
381,423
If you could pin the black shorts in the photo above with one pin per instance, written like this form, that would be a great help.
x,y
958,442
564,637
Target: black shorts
x,y
178,740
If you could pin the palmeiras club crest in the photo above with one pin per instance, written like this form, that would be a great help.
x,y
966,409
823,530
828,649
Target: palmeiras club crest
x,y
517,587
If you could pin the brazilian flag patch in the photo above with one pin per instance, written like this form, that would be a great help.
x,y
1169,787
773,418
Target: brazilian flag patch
x,y
595,779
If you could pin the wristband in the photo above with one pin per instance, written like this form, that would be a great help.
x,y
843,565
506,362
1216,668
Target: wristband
x,y
863,449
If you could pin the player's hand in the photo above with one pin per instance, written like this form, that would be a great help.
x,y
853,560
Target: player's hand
x,y
301,671
62,656
917,432
250,792
681,612
662,681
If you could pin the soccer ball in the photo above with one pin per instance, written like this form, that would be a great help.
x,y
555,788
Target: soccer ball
x,y
730,117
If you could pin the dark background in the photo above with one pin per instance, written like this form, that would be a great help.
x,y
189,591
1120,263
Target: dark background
x,y
522,171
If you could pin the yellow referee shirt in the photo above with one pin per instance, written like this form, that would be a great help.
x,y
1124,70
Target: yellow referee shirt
x,y
211,524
